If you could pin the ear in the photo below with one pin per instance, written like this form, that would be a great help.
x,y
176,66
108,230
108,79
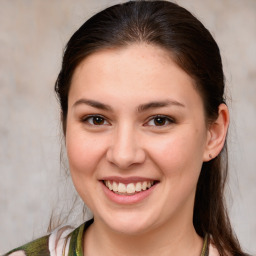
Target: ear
x,y
216,134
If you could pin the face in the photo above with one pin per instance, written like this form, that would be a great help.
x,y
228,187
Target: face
x,y
136,138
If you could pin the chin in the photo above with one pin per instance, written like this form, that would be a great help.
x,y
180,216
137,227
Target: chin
x,y
129,223
128,228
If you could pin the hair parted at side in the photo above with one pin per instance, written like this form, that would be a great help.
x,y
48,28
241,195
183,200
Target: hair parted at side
x,y
191,46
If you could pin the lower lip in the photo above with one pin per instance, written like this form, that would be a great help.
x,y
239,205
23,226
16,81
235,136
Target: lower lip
x,y
127,199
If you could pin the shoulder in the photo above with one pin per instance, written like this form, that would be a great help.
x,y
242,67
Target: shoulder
x,y
45,246
60,242
214,252
36,247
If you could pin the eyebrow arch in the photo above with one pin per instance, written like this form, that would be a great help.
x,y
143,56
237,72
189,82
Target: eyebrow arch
x,y
94,104
141,108
159,104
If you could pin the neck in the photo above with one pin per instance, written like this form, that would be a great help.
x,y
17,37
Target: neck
x,y
172,238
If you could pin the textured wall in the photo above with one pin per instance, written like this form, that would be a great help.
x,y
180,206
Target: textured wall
x,y
32,36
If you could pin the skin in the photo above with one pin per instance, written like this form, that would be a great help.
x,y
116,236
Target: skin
x,y
127,142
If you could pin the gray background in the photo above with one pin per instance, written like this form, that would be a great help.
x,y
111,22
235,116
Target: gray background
x,y
32,36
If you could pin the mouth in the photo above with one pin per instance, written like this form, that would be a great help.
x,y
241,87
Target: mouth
x,y
128,189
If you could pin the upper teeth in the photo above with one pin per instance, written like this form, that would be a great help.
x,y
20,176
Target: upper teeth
x,y
128,188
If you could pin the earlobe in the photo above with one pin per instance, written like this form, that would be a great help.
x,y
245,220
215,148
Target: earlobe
x,y
216,134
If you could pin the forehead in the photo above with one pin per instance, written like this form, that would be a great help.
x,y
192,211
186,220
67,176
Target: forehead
x,y
150,56
134,70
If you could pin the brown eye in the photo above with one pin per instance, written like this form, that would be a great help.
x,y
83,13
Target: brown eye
x,y
96,120
160,121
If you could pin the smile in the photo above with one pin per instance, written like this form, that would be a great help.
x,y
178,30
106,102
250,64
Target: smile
x,y
128,189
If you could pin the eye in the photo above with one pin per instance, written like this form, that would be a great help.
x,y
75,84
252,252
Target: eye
x,y
95,120
160,121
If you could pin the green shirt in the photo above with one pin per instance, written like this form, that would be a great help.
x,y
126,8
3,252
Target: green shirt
x,y
65,242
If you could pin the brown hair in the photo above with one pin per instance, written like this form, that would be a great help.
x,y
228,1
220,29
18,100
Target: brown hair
x,y
192,47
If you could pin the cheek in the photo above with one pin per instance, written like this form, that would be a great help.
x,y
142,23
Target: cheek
x,y
84,152
179,159
180,153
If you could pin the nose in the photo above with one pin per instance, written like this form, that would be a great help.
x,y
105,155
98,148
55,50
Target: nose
x,y
125,149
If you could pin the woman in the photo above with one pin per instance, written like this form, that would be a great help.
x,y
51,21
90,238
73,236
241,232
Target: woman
x,y
141,91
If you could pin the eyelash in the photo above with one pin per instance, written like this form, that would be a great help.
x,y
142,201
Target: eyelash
x,y
151,119
165,119
87,118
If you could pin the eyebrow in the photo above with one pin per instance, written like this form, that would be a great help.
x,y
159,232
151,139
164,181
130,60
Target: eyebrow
x,y
94,104
159,104
141,108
